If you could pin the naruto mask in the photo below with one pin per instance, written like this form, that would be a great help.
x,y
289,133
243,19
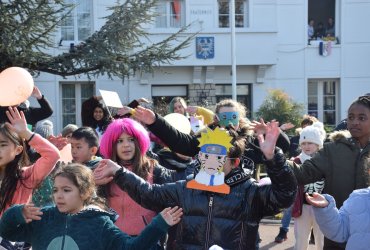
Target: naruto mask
x,y
214,146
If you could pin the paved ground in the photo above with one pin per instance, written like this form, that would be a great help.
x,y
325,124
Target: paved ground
x,y
268,233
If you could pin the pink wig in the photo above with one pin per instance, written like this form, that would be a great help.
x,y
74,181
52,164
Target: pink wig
x,y
115,130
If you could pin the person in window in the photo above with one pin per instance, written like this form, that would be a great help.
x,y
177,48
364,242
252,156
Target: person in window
x,y
320,31
330,28
311,30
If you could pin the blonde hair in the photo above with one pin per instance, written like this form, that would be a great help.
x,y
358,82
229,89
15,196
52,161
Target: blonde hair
x,y
242,110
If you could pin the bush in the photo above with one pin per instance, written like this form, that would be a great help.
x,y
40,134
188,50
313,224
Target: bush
x,y
279,106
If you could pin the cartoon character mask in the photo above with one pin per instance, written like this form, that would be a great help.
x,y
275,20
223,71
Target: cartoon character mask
x,y
212,158
214,146
227,118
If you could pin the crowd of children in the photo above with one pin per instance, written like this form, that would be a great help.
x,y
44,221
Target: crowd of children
x,y
114,193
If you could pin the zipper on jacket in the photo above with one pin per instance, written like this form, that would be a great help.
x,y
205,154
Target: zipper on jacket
x,y
65,232
241,236
210,208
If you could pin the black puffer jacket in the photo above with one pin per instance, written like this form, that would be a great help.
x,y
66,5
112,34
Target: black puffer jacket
x,y
230,221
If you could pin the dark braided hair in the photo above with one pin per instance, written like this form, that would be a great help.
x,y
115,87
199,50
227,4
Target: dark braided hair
x,y
362,100
13,169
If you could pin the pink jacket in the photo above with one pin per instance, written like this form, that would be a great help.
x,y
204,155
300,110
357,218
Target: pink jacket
x,y
132,217
33,175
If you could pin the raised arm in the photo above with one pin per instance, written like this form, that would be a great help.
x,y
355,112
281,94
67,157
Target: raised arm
x,y
34,174
282,191
33,114
260,127
178,142
50,155
153,197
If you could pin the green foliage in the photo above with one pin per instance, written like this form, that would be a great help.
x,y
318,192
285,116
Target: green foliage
x,y
279,106
120,48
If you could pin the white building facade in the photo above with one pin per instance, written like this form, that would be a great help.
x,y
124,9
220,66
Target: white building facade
x,y
273,51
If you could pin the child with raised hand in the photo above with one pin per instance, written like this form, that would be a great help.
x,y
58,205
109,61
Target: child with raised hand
x,y
79,220
230,221
17,178
126,142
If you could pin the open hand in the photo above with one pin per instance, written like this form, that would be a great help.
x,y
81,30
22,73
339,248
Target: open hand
x,y
172,216
30,212
144,115
36,93
258,127
316,200
125,110
267,142
105,171
18,122
287,126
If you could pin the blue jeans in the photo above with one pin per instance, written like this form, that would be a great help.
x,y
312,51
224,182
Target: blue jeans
x,y
287,217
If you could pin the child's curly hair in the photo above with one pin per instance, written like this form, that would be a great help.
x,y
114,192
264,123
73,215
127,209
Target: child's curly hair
x,y
82,177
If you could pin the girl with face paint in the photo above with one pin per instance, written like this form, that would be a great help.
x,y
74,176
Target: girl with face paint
x,y
230,113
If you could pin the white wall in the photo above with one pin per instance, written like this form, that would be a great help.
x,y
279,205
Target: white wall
x,y
276,37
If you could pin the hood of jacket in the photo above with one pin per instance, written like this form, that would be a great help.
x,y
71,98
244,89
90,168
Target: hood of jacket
x,y
339,135
93,163
93,211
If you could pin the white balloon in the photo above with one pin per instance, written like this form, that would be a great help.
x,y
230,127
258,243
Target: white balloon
x,y
16,85
178,121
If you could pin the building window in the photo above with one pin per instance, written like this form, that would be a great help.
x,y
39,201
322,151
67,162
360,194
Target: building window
x,y
322,16
171,14
241,19
73,95
77,26
323,99
224,91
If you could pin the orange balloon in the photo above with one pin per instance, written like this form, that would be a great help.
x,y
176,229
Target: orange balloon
x,y
16,86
